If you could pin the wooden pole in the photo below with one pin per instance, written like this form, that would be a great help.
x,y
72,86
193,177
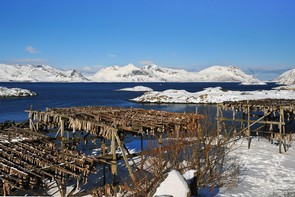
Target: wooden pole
x,y
248,128
31,121
125,159
280,129
114,162
218,122
234,121
62,131
284,131
103,152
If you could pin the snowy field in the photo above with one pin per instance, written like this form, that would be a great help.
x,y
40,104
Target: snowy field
x,y
263,172
211,95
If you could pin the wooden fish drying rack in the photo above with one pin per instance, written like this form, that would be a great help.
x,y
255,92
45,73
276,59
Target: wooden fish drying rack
x,y
271,117
112,124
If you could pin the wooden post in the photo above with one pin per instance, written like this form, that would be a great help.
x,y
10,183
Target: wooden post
x,y
103,152
114,162
62,131
234,121
218,122
125,159
280,129
284,132
248,126
141,149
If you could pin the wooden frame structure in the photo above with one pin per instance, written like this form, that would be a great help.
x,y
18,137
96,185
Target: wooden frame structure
x,y
111,125
271,117
27,164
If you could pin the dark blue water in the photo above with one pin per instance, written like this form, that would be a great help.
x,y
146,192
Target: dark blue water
x,y
85,94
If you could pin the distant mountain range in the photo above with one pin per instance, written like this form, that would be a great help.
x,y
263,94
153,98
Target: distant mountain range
x,y
38,73
131,73
153,73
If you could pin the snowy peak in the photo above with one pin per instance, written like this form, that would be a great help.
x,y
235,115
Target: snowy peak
x,y
287,78
154,73
227,74
38,73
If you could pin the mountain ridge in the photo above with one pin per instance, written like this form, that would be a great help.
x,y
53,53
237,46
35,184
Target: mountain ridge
x,y
154,73
38,73
127,73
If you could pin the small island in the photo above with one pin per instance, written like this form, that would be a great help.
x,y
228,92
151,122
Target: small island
x,y
211,95
15,92
137,89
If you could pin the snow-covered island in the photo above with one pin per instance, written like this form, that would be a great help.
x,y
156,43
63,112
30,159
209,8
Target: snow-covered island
x,y
137,89
15,92
211,95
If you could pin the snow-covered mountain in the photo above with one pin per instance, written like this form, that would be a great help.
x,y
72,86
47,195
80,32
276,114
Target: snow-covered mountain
x,y
227,74
149,73
128,73
153,73
287,78
38,73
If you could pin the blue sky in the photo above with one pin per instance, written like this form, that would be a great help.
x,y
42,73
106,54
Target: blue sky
x,y
256,35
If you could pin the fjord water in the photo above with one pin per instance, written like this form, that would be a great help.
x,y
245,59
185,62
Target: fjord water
x,y
85,94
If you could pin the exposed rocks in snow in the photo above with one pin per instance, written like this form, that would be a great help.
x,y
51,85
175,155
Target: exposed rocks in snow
x,y
15,92
38,73
137,89
211,95
287,87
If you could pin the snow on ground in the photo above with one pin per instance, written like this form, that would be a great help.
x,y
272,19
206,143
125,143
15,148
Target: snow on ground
x,y
15,92
137,89
174,185
264,172
211,95
287,87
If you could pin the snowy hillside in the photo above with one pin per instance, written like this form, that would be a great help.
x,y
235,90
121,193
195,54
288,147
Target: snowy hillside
x,y
38,73
287,78
227,74
153,73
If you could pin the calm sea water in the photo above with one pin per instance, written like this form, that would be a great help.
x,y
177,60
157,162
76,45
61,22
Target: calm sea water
x,y
85,94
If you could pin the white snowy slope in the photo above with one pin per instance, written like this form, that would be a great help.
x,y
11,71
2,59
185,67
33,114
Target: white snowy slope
x,y
153,73
137,89
38,73
15,92
228,74
211,95
287,78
